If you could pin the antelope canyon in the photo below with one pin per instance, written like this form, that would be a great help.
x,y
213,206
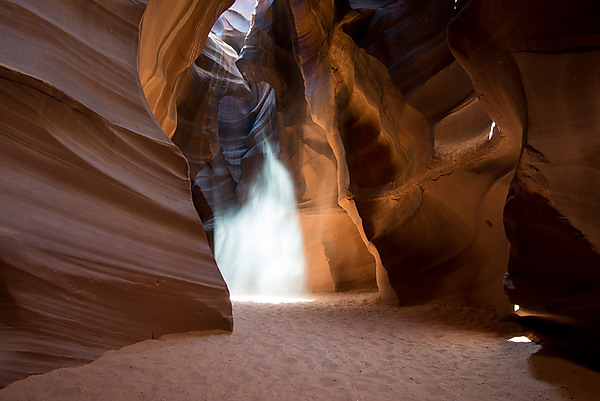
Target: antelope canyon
x,y
293,199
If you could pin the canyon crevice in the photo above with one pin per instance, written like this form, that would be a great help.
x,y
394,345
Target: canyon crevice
x,y
438,150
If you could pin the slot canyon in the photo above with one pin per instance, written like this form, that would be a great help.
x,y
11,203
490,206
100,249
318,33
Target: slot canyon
x,y
402,166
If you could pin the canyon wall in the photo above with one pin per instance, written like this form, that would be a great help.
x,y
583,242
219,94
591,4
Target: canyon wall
x,y
535,66
100,245
238,96
400,123
398,170
430,200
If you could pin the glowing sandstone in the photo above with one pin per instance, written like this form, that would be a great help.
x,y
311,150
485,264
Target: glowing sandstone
x,y
430,210
535,65
398,169
99,242
277,113
394,158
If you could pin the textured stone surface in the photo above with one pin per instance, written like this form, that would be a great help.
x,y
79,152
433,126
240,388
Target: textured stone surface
x,y
424,185
535,66
401,124
100,244
209,79
277,113
389,147
172,36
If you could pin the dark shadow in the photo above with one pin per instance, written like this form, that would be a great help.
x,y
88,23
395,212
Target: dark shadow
x,y
571,377
580,345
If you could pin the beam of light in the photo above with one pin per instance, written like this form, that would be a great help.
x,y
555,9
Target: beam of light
x,y
266,299
519,339
491,131
259,247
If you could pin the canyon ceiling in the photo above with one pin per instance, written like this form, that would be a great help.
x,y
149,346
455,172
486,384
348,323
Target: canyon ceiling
x,y
439,150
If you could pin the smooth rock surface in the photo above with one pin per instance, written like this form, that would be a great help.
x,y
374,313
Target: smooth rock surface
x,y
425,186
392,168
100,244
276,113
535,66
402,125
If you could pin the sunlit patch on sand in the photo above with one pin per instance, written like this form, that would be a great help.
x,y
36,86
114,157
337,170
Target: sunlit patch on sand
x,y
266,299
519,339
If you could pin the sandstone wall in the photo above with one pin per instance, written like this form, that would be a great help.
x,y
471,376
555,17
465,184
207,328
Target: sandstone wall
x,y
535,67
100,245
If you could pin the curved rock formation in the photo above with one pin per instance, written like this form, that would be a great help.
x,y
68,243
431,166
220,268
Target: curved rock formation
x,y
535,66
211,77
277,113
400,122
172,36
389,147
336,256
100,244
425,186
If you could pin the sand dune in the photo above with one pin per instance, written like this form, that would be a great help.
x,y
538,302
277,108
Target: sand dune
x,y
338,347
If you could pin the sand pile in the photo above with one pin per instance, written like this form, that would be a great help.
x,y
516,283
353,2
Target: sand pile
x,y
338,347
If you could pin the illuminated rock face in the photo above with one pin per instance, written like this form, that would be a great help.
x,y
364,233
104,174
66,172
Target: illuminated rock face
x,y
416,168
385,130
536,68
400,175
100,244
277,113
394,166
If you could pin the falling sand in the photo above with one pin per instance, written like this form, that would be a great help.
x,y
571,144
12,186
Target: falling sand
x,y
338,347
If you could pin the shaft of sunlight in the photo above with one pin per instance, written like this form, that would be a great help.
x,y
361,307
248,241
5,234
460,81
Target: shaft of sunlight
x,y
258,247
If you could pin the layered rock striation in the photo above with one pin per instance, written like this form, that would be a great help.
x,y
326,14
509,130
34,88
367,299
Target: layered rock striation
x,y
100,245
424,185
274,113
397,167
400,123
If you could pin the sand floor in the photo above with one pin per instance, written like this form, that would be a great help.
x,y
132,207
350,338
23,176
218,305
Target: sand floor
x,y
338,347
